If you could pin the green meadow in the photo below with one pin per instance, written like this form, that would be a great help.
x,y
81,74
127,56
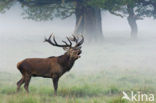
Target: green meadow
x,y
102,73
104,87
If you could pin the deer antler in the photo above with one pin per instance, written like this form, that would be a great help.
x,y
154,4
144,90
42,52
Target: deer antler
x,y
81,41
73,38
76,39
54,43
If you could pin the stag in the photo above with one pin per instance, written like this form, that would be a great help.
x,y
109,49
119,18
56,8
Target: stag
x,y
51,67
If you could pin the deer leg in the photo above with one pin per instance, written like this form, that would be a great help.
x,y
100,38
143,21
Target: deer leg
x,y
55,83
19,83
27,81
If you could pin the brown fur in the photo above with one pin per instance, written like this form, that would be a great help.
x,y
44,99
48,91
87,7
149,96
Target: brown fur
x,y
52,67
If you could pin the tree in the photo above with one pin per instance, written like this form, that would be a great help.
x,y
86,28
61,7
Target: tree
x,y
5,5
137,10
151,12
87,12
132,17
88,17
132,9
88,20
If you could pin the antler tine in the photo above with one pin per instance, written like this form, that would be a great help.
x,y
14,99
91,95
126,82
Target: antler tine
x,y
54,40
81,42
50,36
48,40
55,43
64,42
75,39
69,41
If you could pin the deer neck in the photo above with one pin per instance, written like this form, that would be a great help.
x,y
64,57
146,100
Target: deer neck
x,y
66,62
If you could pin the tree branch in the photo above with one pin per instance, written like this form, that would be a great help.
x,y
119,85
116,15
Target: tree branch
x,y
114,13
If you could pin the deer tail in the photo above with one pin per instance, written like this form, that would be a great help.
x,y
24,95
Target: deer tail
x,y
19,67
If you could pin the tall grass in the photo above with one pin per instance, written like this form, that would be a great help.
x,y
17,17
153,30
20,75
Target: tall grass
x,y
74,89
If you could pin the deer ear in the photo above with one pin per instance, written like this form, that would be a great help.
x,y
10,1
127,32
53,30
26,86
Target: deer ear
x,y
66,48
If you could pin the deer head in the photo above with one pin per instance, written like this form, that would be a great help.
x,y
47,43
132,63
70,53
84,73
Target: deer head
x,y
51,67
72,51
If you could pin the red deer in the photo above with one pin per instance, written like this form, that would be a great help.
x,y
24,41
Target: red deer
x,y
51,67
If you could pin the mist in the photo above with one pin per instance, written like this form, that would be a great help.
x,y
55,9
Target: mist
x,y
22,38
104,70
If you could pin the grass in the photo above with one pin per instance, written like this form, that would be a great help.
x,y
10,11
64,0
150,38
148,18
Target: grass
x,y
73,88
116,66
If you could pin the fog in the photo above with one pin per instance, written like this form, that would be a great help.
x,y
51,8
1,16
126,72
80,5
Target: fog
x,y
21,38
12,23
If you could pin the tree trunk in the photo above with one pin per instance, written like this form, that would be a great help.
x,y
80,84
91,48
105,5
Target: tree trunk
x,y
132,22
88,22
154,12
133,26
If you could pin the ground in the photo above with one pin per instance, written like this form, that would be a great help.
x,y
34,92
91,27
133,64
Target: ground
x,y
102,73
104,87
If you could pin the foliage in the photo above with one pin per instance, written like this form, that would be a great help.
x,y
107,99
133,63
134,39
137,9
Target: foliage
x,y
5,5
48,9
141,8
43,12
